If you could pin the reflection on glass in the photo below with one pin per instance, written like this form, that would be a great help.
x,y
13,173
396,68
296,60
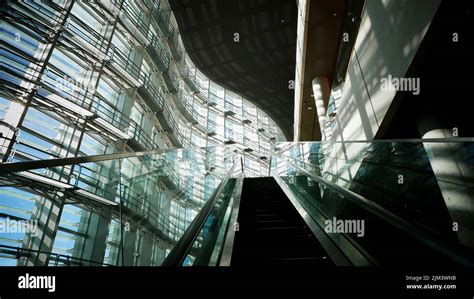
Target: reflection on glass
x,y
128,211
419,182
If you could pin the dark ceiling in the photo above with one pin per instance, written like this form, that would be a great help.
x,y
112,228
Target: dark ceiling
x,y
259,66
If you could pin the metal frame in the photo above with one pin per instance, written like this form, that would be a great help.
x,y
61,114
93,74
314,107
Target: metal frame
x,y
68,260
6,168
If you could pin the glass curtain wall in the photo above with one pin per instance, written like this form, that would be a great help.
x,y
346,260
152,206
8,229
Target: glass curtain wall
x,y
117,75
86,78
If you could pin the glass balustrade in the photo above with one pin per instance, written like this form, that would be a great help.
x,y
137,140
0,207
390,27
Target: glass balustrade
x,y
130,210
410,194
207,247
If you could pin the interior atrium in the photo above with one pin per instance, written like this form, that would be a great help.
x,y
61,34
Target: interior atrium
x,y
230,133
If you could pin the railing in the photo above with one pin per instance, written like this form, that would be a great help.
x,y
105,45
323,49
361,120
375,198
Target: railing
x,y
117,181
111,114
182,248
54,259
229,237
162,17
115,55
134,16
215,100
76,28
340,177
31,8
47,163
233,108
160,58
184,106
142,138
173,42
188,77
155,94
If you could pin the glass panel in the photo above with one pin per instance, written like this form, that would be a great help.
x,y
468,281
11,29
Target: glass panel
x,y
424,184
128,211
207,246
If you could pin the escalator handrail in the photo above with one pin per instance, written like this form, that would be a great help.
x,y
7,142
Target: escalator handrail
x,y
383,214
228,245
421,141
180,251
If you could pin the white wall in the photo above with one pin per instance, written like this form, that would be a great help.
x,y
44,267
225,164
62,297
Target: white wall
x,y
389,36
301,39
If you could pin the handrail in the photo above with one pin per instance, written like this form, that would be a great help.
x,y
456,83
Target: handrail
x,y
19,252
179,252
228,246
383,214
286,145
420,140
9,167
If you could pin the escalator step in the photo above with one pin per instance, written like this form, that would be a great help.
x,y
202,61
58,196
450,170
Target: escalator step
x,y
275,221
280,228
271,231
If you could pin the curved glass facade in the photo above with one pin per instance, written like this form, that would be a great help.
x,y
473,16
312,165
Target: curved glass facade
x,y
114,76
91,78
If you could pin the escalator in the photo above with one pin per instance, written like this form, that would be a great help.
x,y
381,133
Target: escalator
x,y
404,222
271,231
256,222
384,241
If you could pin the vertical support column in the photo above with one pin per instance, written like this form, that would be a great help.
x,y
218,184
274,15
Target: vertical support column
x,y
126,100
136,56
97,232
129,239
145,17
47,214
148,122
321,93
158,253
146,249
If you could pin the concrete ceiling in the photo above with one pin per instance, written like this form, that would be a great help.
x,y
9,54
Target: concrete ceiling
x,y
260,65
